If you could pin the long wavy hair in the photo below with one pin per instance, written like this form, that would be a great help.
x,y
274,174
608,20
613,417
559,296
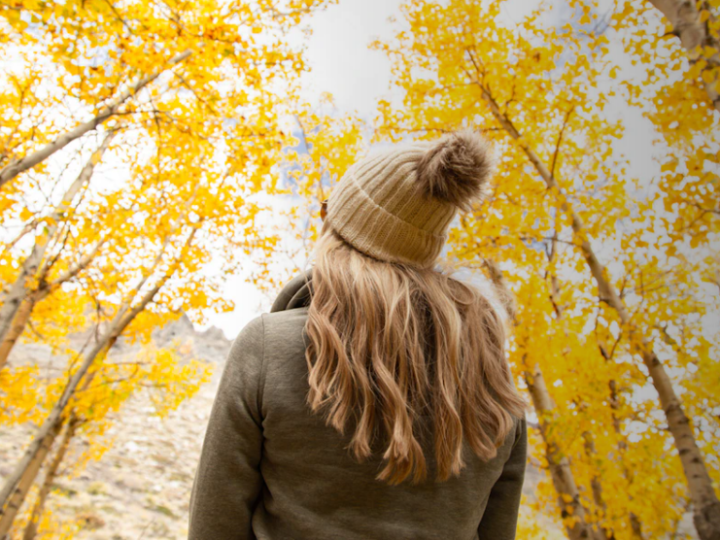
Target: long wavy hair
x,y
390,343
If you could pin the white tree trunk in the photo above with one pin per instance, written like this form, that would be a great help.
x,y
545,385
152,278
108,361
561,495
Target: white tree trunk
x,y
24,285
559,466
706,506
23,314
684,17
125,315
15,167
9,512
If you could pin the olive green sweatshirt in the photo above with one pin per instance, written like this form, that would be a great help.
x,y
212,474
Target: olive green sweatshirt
x,y
271,469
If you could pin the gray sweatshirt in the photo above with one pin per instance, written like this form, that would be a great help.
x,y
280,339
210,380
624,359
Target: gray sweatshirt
x,y
271,469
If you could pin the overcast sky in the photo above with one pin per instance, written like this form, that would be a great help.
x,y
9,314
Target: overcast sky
x,y
341,61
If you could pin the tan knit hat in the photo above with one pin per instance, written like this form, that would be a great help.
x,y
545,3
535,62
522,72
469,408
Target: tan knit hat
x,y
397,204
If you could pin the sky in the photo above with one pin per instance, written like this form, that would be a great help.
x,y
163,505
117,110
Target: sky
x,y
341,61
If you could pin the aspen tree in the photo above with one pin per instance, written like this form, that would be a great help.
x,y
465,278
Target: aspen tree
x,y
458,66
30,285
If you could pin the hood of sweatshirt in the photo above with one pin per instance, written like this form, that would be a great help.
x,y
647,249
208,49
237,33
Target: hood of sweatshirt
x,y
295,293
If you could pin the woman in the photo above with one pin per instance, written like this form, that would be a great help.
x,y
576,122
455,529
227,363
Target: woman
x,y
375,400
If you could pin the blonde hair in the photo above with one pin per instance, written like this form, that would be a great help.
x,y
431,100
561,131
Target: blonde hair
x,y
389,343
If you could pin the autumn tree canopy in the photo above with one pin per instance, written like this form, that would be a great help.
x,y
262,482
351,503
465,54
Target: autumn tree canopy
x,y
140,143
137,142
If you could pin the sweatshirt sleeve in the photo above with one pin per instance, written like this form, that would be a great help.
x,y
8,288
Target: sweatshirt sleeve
x,y
499,521
227,482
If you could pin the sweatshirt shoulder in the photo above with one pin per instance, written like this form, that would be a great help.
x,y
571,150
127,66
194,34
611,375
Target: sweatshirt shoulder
x,y
263,333
284,336
250,338
289,323
246,354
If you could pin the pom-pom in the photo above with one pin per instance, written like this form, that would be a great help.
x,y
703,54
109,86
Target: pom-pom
x,y
456,168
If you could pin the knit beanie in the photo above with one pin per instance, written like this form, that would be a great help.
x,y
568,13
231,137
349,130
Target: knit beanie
x,y
396,204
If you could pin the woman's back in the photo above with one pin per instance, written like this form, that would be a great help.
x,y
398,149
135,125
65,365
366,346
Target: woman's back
x,y
279,472
375,400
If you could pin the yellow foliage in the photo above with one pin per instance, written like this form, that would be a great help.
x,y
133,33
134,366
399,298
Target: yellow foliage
x,y
193,94
538,92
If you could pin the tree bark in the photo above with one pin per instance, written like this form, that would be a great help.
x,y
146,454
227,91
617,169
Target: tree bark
x,y
706,506
122,319
588,438
71,427
46,288
34,453
635,524
560,471
15,167
16,329
9,512
17,296
595,483
684,17
559,466
31,528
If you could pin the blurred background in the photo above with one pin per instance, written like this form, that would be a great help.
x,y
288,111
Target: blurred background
x,y
162,165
